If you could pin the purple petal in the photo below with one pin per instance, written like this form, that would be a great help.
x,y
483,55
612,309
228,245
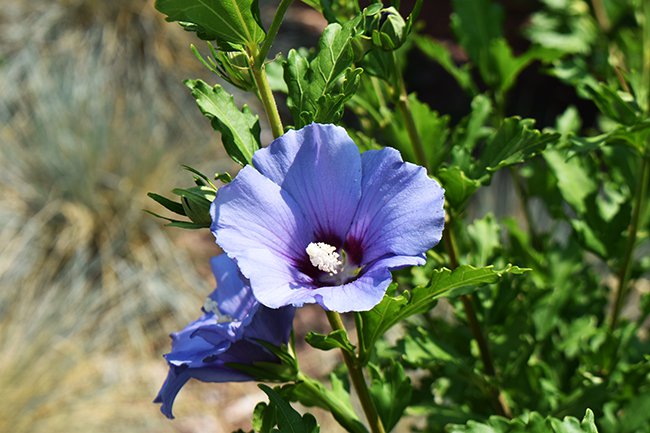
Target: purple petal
x,y
187,348
366,291
218,333
275,281
205,348
252,214
178,376
401,208
233,293
320,167
271,325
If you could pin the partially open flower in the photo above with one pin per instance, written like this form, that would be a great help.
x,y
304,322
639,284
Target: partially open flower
x,y
227,332
315,221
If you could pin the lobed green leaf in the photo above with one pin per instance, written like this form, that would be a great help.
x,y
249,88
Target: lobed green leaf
x,y
318,89
240,129
515,141
391,392
444,283
529,423
226,21
287,418
337,339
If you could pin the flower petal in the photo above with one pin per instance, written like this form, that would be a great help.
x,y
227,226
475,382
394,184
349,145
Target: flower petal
x,y
275,282
320,167
233,294
366,291
178,376
252,213
189,349
271,325
401,208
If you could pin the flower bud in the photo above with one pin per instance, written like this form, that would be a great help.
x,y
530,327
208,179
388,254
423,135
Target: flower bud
x,y
234,67
385,27
196,203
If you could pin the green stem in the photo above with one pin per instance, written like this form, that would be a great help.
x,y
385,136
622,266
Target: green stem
x,y
601,15
405,109
359,382
273,31
646,51
326,399
266,96
258,68
626,267
501,404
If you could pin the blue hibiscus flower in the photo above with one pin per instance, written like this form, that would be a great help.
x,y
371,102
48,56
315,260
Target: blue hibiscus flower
x,y
227,331
314,221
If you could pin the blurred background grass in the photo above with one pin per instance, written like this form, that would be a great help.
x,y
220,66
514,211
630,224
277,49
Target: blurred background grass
x,y
93,115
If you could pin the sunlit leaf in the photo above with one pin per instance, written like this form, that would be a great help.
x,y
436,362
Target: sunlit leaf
x,y
229,21
444,283
240,129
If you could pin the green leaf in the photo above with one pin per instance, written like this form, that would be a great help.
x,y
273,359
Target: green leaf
x,y
319,89
178,223
485,236
201,179
565,25
476,24
314,4
419,348
503,67
469,131
574,181
391,392
286,369
433,128
288,420
441,55
226,21
311,392
458,187
334,340
240,130
263,418
617,105
515,141
444,283
168,204
531,422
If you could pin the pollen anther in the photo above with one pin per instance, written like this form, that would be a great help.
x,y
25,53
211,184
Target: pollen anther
x,y
324,257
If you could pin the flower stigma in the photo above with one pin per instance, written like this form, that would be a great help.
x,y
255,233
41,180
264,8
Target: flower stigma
x,y
324,257
337,267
